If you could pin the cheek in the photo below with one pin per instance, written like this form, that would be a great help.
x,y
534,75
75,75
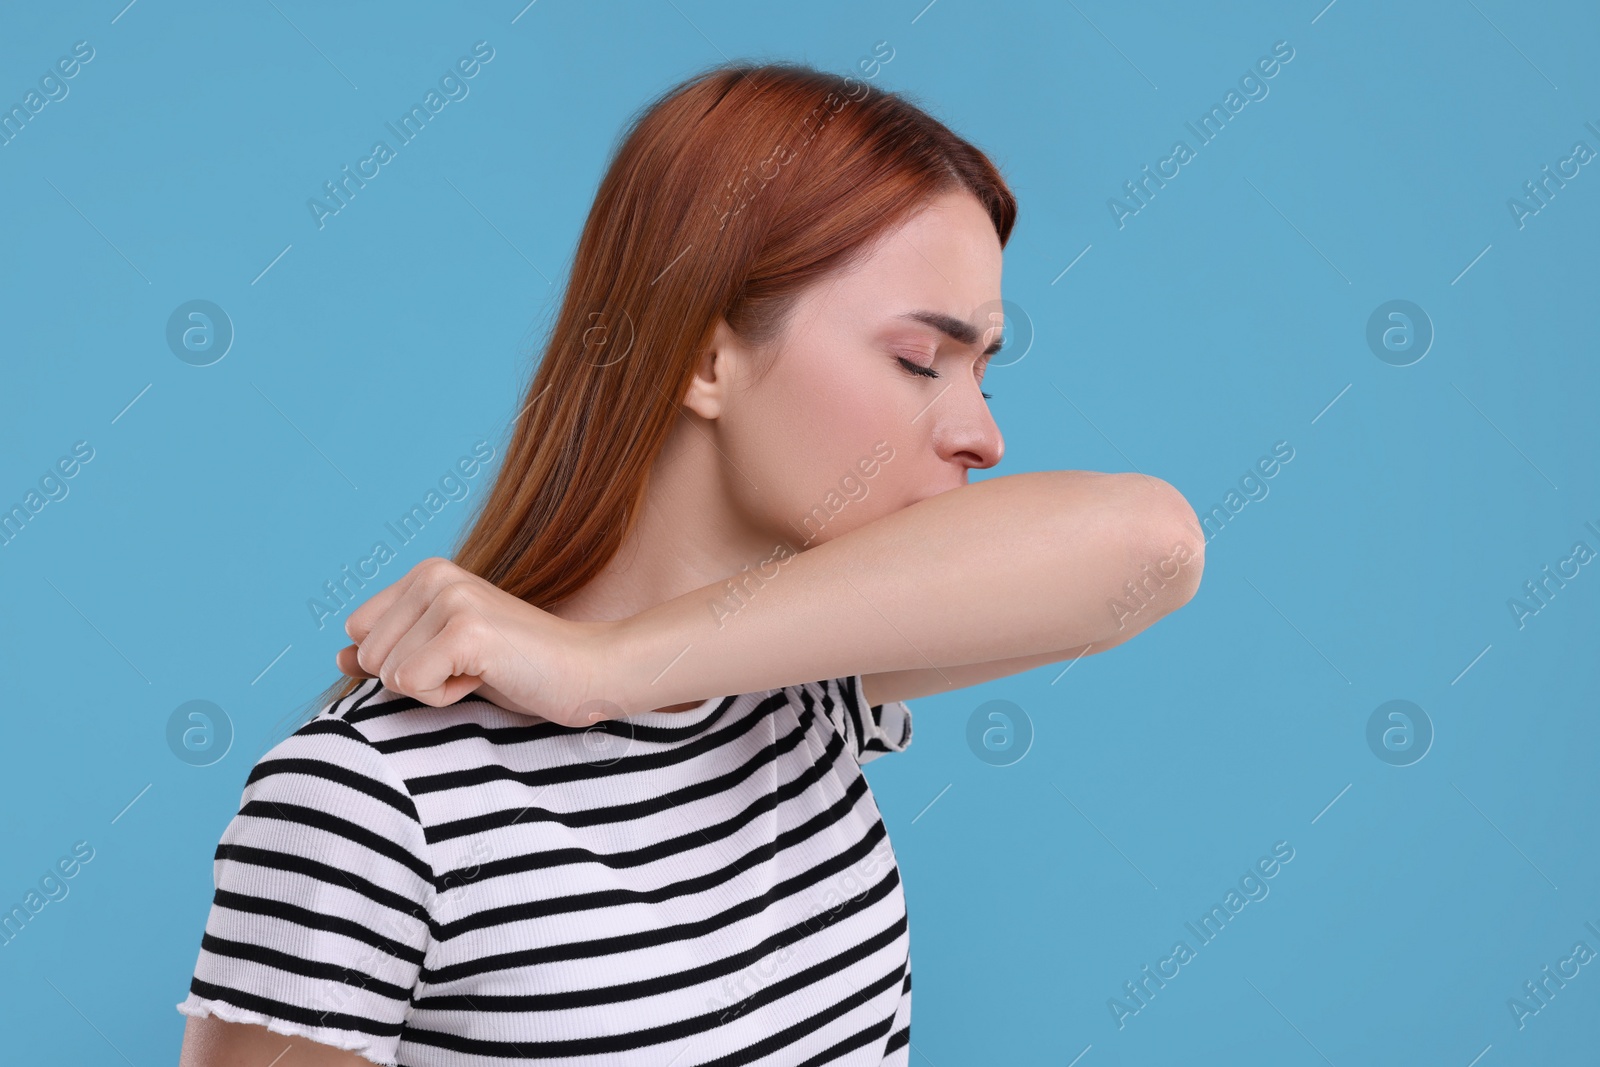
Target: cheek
x,y
845,430
807,442
818,417
848,474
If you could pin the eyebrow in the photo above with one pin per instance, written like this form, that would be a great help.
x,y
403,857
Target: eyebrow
x,y
952,327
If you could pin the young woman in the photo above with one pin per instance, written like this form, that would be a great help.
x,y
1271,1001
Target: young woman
x,y
531,826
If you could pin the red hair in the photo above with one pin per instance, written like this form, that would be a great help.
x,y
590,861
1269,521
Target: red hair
x,y
728,196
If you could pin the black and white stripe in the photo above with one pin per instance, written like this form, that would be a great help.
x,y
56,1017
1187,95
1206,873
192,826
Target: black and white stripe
x,y
469,886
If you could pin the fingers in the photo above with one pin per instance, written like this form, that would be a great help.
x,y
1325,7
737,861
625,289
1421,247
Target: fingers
x,y
439,632
439,647
379,624
361,622
347,663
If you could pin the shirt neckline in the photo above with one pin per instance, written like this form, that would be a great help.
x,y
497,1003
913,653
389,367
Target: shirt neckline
x,y
687,717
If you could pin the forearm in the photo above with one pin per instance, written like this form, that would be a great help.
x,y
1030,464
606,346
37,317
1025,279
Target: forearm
x,y
1007,567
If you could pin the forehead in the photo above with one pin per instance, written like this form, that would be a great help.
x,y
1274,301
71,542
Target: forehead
x,y
946,258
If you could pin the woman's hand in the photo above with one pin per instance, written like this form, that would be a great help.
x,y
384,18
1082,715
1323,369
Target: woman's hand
x,y
441,632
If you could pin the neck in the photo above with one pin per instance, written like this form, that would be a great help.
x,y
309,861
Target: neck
x,y
687,536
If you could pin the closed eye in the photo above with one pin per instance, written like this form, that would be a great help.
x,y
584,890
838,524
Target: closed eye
x,y
928,372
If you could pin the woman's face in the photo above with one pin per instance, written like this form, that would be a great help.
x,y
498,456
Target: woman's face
x,y
839,430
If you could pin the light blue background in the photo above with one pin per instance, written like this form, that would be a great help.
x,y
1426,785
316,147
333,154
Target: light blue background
x,y
1227,315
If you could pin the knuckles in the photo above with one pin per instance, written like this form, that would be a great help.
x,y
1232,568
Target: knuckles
x,y
437,571
442,584
455,597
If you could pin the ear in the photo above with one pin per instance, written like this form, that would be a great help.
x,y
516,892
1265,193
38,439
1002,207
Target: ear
x,y
710,389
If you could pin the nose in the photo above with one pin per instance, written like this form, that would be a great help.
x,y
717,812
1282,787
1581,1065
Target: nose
x,y
965,432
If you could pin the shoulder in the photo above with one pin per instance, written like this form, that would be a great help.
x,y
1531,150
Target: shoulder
x,y
332,758
374,731
324,891
327,796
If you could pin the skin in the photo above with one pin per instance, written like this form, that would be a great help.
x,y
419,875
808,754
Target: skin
x,y
210,1042
768,433
1005,575
766,436
757,451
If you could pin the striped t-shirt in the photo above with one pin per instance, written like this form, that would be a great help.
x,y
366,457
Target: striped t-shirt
x,y
469,886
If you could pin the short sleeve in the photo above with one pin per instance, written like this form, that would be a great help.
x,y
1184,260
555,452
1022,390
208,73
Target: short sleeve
x,y
868,732
319,923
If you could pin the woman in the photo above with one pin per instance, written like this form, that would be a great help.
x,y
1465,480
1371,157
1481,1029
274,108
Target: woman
x,y
741,467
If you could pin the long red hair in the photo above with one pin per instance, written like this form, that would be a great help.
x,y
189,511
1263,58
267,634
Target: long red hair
x,y
727,196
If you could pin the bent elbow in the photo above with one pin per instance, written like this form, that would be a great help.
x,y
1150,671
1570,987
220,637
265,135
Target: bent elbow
x,y
1131,550
1187,543
1174,541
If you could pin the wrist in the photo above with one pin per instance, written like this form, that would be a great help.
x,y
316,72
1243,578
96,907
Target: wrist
x,y
658,658
626,664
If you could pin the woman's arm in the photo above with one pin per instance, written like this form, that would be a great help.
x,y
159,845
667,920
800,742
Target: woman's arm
x,y
210,1042
975,583
885,686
